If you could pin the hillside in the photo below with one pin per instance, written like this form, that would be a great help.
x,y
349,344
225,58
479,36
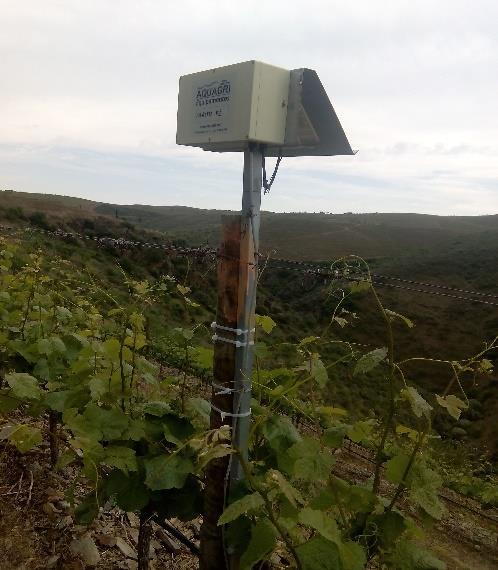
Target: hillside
x,y
295,235
458,252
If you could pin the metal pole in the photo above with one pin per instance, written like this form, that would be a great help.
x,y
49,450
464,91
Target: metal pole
x,y
249,247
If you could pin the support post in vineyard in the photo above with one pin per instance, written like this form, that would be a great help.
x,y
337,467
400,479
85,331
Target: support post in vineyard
x,y
261,110
248,280
212,555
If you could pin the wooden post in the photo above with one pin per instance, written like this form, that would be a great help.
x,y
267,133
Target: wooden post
x,y
212,555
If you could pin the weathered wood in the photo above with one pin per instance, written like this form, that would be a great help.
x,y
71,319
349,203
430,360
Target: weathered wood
x,y
212,552
144,538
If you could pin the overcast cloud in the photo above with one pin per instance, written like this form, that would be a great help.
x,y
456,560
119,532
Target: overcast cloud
x,y
88,100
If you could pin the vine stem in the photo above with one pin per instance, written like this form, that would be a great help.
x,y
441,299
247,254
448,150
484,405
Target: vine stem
x,y
281,531
144,537
422,436
390,413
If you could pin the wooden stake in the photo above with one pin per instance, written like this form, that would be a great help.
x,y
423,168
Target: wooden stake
x,y
212,555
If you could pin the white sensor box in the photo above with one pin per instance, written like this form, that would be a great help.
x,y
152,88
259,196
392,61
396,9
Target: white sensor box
x,y
226,108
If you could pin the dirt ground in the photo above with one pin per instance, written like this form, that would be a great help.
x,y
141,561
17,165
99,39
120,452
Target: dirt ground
x,y
37,527
465,538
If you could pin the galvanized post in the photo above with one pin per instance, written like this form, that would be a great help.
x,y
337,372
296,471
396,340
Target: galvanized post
x,y
249,247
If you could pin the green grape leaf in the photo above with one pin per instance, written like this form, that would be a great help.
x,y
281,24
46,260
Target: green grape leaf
x,y
409,555
24,386
290,492
167,471
393,316
263,541
396,467
420,407
306,460
128,489
135,430
342,322
25,437
185,503
453,405
261,349
409,432
308,340
57,400
203,357
334,436
121,457
370,361
360,286
361,432
331,411
111,348
248,503
424,485
388,527
183,290
157,409
98,387
485,366
176,430
65,458
322,523
353,556
7,403
318,371
266,323
210,453
199,412
111,423
280,432
319,553
354,498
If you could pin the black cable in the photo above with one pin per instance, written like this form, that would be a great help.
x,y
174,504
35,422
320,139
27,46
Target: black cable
x,y
267,185
173,531
435,293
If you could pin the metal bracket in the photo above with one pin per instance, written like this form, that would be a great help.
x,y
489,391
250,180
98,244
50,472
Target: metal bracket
x,y
238,332
237,343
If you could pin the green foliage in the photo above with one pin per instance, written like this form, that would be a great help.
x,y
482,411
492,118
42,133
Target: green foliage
x,y
263,541
139,434
246,504
370,361
453,405
419,406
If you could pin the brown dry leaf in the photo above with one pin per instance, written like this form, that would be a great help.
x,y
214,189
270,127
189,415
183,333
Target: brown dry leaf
x,y
50,510
86,549
133,532
125,548
133,520
106,539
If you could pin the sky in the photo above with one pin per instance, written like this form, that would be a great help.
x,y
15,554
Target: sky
x,y
88,99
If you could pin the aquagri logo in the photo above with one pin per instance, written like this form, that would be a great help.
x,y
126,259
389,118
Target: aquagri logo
x,y
214,92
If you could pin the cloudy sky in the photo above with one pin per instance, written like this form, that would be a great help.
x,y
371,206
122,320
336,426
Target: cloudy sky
x,y
88,100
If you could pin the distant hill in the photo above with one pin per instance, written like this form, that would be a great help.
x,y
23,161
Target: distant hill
x,y
295,235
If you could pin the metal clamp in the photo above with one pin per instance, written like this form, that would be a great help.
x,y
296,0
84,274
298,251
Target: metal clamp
x,y
225,390
238,332
237,343
229,414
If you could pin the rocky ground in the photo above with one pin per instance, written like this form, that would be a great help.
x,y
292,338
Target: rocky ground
x,y
38,530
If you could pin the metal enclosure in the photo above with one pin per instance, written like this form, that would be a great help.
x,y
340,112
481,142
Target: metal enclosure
x,y
226,108
287,112
312,128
